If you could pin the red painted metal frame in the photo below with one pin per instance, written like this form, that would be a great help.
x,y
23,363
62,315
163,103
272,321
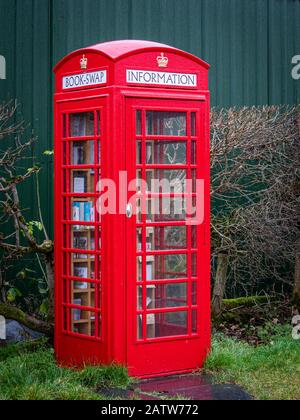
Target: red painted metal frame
x,y
118,102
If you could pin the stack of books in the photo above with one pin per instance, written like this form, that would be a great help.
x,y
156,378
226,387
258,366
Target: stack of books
x,y
83,212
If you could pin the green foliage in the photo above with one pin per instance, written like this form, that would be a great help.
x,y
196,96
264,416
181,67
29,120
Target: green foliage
x,y
34,225
48,152
269,372
12,294
29,372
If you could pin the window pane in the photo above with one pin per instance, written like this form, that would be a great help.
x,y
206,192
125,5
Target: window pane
x,y
194,322
166,181
166,153
193,124
167,324
164,267
82,125
166,209
139,268
167,296
166,123
83,211
139,123
194,265
84,323
83,153
139,152
194,153
166,237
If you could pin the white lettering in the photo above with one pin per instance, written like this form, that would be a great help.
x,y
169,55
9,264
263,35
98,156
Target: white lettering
x,y
296,69
83,80
161,78
2,68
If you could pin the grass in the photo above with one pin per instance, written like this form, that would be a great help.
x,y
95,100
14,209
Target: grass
x,y
267,372
29,373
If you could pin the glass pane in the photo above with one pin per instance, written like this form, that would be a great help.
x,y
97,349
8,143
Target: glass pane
x,y
166,237
139,152
194,293
166,153
166,181
166,209
150,299
64,126
194,153
194,322
98,123
83,181
168,324
83,211
139,268
81,299
84,238
168,296
82,124
140,298
193,124
164,267
83,153
194,265
81,270
139,327
85,241
139,240
139,123
194,237
83,322
166,123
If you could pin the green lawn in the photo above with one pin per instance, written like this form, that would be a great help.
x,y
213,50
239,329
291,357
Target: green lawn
x,y
270,371
28,373
267,372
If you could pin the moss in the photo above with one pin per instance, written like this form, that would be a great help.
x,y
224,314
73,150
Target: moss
x,y
245,302
11,312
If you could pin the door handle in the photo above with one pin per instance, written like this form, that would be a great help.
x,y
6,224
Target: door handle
x,y
129,211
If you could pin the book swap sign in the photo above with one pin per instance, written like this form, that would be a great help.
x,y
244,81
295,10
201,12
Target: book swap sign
x,y
95,78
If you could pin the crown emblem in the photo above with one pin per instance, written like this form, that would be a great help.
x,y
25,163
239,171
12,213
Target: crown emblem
x,y
162,61
83,62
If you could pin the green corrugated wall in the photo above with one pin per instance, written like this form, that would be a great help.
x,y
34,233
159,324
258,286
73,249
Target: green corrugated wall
x,y
249,44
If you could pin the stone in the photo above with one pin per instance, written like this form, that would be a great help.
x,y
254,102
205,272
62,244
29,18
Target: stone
x,y
16,333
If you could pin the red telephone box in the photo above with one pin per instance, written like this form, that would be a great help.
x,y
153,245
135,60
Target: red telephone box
x,y
132,282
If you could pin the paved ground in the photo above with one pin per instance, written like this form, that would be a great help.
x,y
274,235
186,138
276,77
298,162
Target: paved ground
x,y
188,387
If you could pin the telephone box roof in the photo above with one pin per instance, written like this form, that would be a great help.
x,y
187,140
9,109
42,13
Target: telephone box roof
x,y
117,50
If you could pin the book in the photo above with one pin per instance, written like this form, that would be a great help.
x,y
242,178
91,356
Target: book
x,y
79,185
80,285
81,271
81,242
78,154
77,312
149,271
76,214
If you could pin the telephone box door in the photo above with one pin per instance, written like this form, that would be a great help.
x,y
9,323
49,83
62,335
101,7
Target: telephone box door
x,y
80,290
167,319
